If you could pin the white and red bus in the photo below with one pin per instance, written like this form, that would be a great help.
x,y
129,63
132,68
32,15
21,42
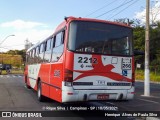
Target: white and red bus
x,y
84,59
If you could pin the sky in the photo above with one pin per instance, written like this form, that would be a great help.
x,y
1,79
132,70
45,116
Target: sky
x,y
35,20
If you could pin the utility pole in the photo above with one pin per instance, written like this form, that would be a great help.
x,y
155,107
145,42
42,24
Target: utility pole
x,y
147,72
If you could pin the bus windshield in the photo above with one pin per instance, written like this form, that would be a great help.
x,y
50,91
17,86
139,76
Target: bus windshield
x,y
100,38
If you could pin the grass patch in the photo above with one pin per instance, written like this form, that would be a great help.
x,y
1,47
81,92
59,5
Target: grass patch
x,y
139,75
153,77
13,72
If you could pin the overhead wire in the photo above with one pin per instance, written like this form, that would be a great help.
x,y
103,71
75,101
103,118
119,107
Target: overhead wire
x,y
114,9
101,8
123,9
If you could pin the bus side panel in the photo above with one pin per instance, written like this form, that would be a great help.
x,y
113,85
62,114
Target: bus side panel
x,y
45,89
55,94
56,75
33,73
26,74
44,77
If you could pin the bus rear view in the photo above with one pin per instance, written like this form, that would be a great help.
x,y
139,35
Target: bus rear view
x,y
99,62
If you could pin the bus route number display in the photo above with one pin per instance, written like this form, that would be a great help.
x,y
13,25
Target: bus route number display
x,y
126,63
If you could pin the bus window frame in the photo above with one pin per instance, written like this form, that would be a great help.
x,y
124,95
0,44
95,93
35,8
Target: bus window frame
x,y
46,48
131,46
37,51
48,51
63,33
41,51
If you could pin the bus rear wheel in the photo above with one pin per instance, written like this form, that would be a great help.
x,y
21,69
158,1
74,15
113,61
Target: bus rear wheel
x,y
39,92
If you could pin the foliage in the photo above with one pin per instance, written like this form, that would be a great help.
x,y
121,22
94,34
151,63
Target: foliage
x,y
13,71
153,76
14,57
139,44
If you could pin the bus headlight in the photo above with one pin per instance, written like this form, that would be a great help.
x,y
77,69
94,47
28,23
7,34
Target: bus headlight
x,y
69,84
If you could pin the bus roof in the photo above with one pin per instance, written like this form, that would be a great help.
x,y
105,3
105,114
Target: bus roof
x,y
69,19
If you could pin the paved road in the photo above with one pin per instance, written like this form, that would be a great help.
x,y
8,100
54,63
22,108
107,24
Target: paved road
x,y
141,102
14,96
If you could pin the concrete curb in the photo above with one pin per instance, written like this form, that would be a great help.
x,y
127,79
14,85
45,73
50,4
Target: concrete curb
x,y
150,81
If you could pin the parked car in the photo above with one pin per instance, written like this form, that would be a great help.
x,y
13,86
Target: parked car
x,y
6,67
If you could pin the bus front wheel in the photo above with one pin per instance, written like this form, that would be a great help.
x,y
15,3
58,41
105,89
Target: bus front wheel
x,y
39,92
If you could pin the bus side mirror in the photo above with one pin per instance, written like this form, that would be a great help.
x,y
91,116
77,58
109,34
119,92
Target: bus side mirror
x,y
138,52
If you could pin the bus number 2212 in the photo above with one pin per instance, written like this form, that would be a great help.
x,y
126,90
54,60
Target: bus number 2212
x,y
87,60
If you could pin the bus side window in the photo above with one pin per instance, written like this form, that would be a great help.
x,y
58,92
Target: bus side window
x,y
63,37
48,45
41,48
33,55
37,55
47,55
58,49
53,42
41,52
58,39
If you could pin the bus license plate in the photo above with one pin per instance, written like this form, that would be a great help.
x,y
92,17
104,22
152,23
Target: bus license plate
x,y
102,96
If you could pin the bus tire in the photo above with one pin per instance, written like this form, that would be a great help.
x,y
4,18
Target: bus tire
x,y
27,86
39,93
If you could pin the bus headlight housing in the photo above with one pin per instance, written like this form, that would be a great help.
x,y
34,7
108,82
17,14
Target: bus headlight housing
x,y
69,84
68,77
